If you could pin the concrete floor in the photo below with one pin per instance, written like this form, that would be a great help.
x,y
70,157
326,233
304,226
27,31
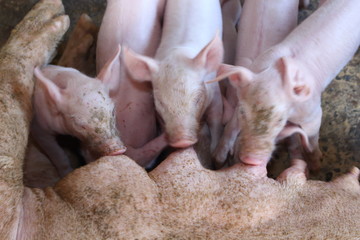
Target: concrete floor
x,y
340,131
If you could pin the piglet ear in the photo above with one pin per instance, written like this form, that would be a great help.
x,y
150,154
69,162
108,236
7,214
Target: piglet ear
x,y
110,73
140,67
211,55
51,89
296,81
238,76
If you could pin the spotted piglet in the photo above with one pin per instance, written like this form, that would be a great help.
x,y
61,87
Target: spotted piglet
x,y
68,102
280,92
189,54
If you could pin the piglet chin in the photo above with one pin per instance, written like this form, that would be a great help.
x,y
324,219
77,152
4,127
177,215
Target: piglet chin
x,y
183,143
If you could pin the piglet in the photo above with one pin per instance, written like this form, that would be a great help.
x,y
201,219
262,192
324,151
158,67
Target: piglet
x,y
262,24
136,24
68,102
189,54
280,92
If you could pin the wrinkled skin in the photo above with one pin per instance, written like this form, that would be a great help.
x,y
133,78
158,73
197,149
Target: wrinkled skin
x,y
68,102
189,54
286,81
262,25
135,24
114,198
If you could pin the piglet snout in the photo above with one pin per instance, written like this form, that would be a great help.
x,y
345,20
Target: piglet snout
x,y
252,160
183,143
112,147
117,152
181,137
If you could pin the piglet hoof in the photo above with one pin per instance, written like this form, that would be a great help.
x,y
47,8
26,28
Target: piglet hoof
x,y
297,172
224,153
219,156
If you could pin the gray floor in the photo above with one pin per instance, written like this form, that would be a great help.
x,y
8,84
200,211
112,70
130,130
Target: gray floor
x,y
340,131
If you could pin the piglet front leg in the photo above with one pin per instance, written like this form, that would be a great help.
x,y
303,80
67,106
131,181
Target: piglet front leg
x,y
297,172
311,153
214,114
226,142
146,154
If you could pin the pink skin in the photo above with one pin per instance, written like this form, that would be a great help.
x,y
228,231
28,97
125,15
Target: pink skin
x,y
189,54
230,12
136,24
262,24
280,93
68,102
297,171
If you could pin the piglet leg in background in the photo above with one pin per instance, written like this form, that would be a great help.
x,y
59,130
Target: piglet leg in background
x,y
79,52
262,24
136,24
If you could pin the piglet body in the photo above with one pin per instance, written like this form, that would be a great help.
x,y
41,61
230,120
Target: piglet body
x,y
189,53
135,24
281,90
68,102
